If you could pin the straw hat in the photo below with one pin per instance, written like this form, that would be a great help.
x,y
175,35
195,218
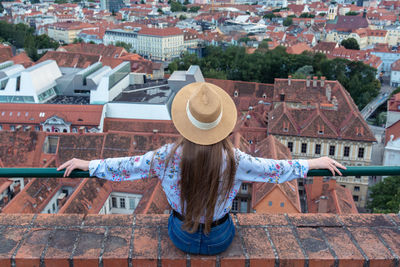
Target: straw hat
x,y
203,113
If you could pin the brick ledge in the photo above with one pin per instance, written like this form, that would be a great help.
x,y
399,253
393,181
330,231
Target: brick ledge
x,y
142,240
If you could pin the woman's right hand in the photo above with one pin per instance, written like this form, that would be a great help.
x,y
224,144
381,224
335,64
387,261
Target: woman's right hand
x,y
326,163
73,164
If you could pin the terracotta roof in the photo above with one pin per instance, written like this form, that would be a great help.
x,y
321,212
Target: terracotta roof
x,y
348,23
298,48
339,122
396,65
270,147
37,113
71,25
161,32
96,49
23,59
71,59
325,47
329,197
5,53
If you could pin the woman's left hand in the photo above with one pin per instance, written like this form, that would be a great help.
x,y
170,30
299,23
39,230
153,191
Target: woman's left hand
x,y
73,164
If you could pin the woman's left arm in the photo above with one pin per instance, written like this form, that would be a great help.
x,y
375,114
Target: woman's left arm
x,y
279,171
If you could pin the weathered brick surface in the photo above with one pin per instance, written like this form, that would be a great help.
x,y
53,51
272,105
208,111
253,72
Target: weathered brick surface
x,y
261,240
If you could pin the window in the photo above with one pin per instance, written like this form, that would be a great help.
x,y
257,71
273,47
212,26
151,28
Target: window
x,y
356,189
114,202
361,152
235,205
12,127
346,151
122,203
343,185
243,205
244,188
318,149
282,204
37,128
303,147
54,207
355,198
332,150
1,127
290,146
270,203
132,203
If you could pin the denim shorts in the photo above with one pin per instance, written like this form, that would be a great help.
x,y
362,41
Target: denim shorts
x,y
216,241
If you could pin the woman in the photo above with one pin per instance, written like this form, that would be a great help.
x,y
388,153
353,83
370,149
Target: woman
x,y
202,172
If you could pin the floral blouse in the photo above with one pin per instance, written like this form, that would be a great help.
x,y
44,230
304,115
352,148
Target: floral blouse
x,y
249,169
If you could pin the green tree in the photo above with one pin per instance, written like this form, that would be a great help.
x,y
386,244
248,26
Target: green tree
x,y
176,6
396,91
269,16
303,72
352,13
160,11
385,196
287,22
194,9
124,45
322,14
350,43
182,17
244,39
1,8
60,1
307,15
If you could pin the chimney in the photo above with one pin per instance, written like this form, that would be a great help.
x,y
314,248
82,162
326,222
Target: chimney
x,y
18,128
365,13
308,81
322,81
323,204
289,80
328,93
82,129
315,80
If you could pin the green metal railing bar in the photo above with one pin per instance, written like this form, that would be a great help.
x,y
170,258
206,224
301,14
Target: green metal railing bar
x,y
53,173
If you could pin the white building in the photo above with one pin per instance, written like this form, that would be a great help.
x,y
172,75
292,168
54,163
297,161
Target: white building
x,y
391,156
120,203
119,35
111,84
160,44
395,74
33,85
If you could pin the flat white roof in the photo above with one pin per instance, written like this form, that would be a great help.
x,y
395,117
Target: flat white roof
x,y
139,111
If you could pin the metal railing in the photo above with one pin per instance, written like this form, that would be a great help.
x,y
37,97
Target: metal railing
x,y
52,172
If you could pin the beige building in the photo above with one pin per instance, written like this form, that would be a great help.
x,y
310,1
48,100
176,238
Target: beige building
x,y
160,44
364,37
316,118
66,32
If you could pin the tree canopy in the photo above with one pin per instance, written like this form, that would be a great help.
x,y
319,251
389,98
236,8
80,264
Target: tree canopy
x,y
288,21
22,36
350,43
265,65
124,45
385,196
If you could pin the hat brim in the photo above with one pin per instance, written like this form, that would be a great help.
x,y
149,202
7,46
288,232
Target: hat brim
x,y
197,135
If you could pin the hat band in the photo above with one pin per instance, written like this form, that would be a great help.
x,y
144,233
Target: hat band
x,y
199,124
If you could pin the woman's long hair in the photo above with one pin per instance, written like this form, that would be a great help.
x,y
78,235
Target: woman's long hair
x,y
204,179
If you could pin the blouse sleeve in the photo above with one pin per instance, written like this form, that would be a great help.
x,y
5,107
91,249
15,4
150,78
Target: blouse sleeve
x,y
254,169
130,168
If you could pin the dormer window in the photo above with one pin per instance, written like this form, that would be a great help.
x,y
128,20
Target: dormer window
x,y
265,96
236,93
321,129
